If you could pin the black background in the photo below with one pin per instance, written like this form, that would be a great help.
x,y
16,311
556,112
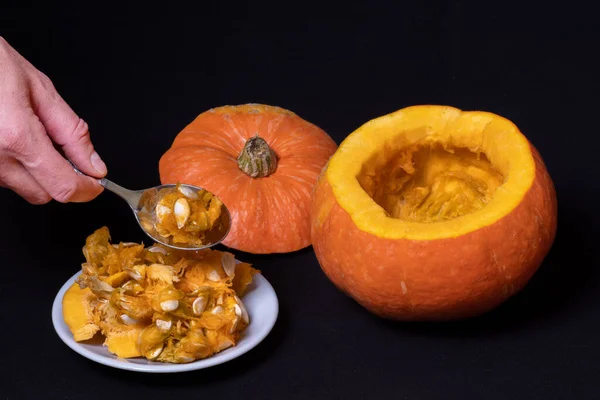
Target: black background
x,y
138,75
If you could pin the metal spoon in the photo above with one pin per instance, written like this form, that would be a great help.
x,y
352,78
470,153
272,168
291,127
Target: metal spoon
x,y
143,203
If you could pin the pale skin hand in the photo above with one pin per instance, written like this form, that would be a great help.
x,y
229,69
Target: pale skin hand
x,y
33,120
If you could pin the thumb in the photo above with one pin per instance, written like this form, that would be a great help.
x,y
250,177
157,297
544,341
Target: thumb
x,y
65,128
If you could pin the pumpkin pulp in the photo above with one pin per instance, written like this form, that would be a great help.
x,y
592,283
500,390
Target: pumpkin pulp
x,y
454,174
430,183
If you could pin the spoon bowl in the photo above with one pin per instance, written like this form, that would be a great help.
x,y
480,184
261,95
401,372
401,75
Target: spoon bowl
x,y
143,204
144,209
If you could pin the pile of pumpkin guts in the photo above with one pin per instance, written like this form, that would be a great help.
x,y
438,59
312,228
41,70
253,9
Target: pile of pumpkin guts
x,y
158,303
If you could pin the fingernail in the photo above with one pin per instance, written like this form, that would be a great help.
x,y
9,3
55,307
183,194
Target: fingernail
x,y
98,163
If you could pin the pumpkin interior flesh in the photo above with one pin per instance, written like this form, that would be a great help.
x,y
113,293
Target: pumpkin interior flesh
x,y
367,151
429,182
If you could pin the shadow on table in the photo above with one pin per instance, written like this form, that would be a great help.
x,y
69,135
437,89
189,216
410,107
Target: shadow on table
x,y
563,281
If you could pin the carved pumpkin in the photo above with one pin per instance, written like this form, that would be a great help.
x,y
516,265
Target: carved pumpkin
x,y
431,213
262,162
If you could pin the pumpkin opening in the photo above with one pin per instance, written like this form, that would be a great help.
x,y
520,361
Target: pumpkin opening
x,y
432,140
429,182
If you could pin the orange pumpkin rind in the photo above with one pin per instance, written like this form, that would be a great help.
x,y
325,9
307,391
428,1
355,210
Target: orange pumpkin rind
x,y
443,270
262,162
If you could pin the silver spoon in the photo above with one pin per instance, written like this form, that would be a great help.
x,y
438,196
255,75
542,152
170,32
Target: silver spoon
x,y
143,203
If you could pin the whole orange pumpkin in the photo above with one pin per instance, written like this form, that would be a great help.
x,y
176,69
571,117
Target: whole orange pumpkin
x,y
432,213
262,162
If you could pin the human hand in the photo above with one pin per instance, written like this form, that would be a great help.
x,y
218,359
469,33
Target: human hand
x,y
33,119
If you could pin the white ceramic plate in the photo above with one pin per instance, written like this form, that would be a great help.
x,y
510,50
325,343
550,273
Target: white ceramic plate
x,y
260,301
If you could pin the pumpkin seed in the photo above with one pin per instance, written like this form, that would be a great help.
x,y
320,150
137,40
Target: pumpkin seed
x,y
228,263
214,276
240,304
156,249
187,192
238,310
182,212
199,305
225,344
234,325
154,353
127,320
163,325
169,305
137,272
217,310
185,359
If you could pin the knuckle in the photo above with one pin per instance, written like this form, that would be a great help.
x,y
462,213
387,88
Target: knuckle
x,y
14,140
80,133
66,192
45,82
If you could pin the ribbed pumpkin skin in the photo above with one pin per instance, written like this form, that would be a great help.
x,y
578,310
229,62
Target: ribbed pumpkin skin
x,y
270,214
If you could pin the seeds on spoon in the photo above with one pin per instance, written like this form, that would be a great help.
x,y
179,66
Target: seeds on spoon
x,y
184,215
154,209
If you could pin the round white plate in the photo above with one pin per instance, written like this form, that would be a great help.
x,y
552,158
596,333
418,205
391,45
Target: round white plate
x,y
260,301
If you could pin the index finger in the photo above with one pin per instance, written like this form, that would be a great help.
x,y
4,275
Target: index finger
x,y
65,127
54,173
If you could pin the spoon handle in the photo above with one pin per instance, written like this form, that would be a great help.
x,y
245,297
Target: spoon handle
x,y
130,196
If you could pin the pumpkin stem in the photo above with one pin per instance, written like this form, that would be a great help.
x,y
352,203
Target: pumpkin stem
x,y
257,159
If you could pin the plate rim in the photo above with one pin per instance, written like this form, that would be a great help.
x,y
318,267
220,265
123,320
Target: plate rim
x,y
65,335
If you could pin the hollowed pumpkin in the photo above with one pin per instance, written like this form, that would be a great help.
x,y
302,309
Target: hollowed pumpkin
x,y
432,213
262,162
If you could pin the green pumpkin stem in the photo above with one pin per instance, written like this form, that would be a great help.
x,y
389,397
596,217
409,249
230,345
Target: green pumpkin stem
x,y
257,159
